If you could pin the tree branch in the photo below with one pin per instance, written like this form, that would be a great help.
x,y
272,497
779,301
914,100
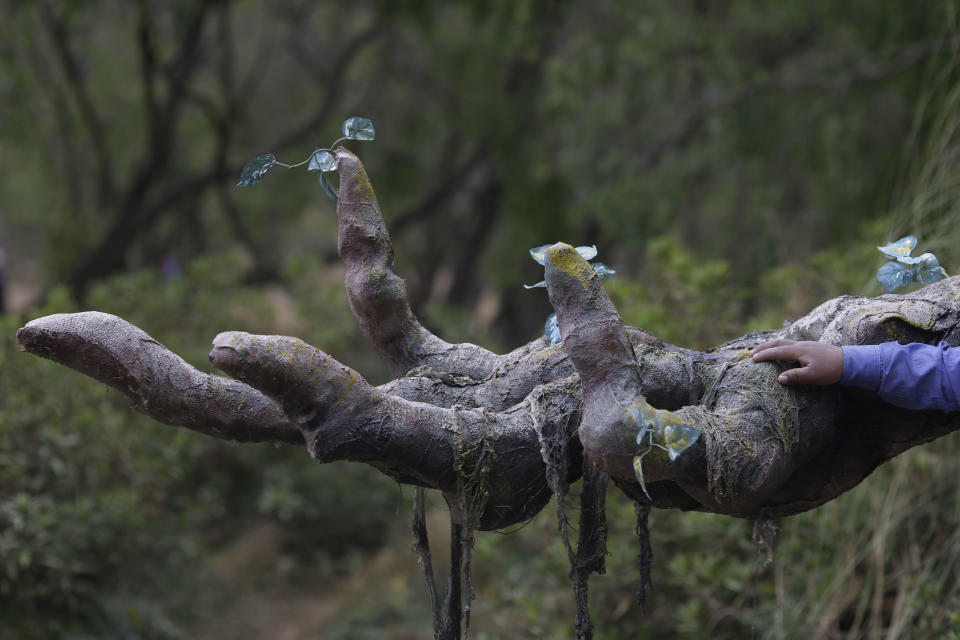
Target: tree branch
x,y
60,38
142,201
146,48
431,203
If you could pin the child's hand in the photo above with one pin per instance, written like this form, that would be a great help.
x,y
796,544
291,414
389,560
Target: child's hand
x,y
821,363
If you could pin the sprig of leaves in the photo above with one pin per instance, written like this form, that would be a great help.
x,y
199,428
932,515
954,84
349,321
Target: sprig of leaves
x,y
904,269
551,329
321,160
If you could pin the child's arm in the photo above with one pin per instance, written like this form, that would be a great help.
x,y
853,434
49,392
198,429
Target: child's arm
x,y
914,376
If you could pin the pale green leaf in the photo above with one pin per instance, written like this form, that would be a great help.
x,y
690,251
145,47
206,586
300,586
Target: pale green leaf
x,y
928,269
322,160
357,128
587,253
254,171
894,275
901,248
634,411
603,271
638,472
539,254
551,330
677,438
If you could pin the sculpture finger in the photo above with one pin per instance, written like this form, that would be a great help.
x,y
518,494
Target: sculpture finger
x,y
592,331
158,382
378,296
618,424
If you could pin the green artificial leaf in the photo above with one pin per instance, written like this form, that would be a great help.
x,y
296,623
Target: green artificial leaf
x,y
327,187
254,171
551,330
322,160
901,248
634,412
928,269
587,253
357,128
603,271
894,275
924,268
539,254
540,285
677,438
638,472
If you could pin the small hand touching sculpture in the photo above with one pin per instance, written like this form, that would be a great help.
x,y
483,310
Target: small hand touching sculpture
x,y
913,376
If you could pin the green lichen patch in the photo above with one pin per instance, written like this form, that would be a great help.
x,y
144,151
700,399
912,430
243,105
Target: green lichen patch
x,y
363,190
568,262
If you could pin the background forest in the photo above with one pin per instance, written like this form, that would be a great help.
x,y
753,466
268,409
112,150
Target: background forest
x,y
735,162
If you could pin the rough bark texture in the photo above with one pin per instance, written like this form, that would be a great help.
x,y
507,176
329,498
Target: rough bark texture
x,y
499,433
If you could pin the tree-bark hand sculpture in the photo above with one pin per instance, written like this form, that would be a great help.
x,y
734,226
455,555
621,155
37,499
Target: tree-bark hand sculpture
x,y
499,434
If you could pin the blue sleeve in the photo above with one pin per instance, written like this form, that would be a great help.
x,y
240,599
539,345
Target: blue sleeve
x,y
914,376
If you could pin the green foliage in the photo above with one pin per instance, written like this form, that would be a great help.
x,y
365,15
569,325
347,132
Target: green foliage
x,y
84,487
110,522
678,290
792,289
927,202
753,124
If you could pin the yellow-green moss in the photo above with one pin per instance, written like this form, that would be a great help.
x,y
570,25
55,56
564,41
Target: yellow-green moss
x,y
568,262
363,189
344,392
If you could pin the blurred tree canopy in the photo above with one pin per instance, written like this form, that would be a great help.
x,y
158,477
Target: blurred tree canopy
x,y
753,132
736,162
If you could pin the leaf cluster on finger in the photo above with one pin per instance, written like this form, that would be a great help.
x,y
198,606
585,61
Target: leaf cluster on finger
x,y
321,160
